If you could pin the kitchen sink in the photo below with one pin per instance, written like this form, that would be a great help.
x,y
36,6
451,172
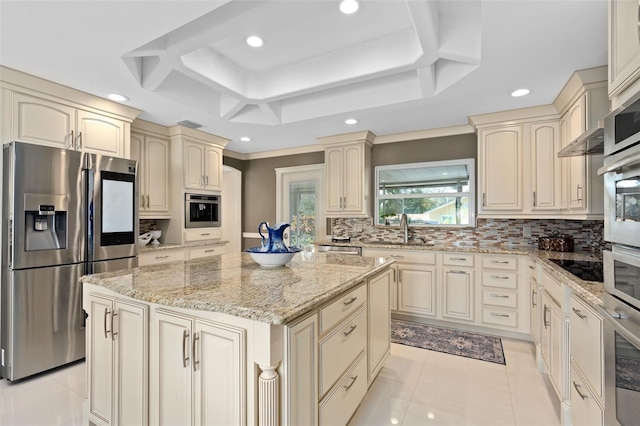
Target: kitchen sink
x,y
395,243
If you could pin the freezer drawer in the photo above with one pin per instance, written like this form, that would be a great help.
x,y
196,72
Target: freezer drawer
x,y
42,320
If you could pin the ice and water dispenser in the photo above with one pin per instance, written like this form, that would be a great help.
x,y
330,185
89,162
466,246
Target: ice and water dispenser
x,y
45,219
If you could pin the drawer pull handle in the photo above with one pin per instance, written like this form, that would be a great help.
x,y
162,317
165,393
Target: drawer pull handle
x,y
185,358
106,314
397,256
210,251
532,267
577,386
463,259
578,312
193,351
162,257
533,298
544,316
113,333
458,272
500,261
499,277
493,314
350,301
500,296
348,332
353,380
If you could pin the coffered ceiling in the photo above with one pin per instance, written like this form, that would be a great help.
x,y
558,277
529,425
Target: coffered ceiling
x,y
396,66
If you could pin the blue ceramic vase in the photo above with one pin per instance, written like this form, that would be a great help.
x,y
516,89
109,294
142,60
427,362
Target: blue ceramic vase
x,y
274,243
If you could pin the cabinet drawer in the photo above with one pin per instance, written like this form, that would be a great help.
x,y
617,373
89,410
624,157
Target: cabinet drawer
x,y
342,307
197,253
500,317
341,348
553,287
500,279
338,407
406,256
160,256
584,407
586,343
500,298
457,259
500,262
202,234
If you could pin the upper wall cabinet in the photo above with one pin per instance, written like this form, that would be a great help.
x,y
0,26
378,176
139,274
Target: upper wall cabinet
x,y
44,113
624,46
518,171
150,147
348,172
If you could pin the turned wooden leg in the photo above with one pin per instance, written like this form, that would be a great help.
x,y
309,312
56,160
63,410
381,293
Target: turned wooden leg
x,y
269,396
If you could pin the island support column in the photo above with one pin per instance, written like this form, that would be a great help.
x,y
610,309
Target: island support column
x,y
268,342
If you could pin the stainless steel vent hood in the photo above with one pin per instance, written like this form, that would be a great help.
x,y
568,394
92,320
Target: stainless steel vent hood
x,y
590,142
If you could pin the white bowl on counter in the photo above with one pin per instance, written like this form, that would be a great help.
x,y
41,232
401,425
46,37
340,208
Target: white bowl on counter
x,y
144,239
271,260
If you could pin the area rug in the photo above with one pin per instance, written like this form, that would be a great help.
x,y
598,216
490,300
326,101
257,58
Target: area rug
x,y
454,342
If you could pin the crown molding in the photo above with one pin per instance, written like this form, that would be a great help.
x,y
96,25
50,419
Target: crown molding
x,y
425,134
515,116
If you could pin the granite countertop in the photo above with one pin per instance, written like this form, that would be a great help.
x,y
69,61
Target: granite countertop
x,y
590,291
234,284
167,246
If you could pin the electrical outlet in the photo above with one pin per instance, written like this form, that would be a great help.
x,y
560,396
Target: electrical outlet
x,y
526,231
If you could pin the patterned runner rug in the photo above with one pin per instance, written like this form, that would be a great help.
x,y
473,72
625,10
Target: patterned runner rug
x,y
454,342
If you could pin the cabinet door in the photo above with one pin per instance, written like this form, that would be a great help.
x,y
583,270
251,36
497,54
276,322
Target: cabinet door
x,y
334,167
624,46
100,357
100,134
557,320
394,288
131,366
213,168
301,361
137,153
353,174
417,289
379,326
42,122
501,168
545,166
193,165
458,297
534,311
218,362
576,125
174,375
156,170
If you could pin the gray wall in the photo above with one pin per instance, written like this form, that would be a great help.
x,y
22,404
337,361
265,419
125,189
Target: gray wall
x,y
259,176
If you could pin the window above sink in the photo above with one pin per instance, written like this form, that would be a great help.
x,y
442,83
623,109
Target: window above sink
x,y
436,193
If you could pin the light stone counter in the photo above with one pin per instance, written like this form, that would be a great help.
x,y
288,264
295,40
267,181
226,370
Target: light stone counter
x,y
234,284
590,291
168,246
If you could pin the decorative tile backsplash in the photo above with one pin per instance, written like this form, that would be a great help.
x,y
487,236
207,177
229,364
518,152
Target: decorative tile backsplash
x,y
588,235
147,225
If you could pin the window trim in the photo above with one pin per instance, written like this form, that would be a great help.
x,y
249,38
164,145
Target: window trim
x,y
468,162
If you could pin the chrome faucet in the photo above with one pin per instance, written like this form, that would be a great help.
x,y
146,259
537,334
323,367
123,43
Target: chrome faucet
x,y
404,225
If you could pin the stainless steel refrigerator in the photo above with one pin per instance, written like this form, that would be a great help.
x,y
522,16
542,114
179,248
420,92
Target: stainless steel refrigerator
x,y
65,213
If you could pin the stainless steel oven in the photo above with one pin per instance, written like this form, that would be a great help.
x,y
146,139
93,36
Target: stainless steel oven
x,y
622,127
202,211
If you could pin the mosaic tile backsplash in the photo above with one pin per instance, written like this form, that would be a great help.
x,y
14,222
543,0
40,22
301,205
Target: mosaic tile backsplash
x,y
588,235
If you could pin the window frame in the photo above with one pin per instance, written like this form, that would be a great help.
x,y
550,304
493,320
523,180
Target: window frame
x,y
468,162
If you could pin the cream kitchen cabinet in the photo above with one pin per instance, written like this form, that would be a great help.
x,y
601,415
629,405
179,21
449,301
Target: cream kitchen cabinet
x,y
535,290
379,322
117,347
545,166
501,296
202,167
152,153
348,175
552,341
417,289
624,46
46,122
458,287
197,371
500,169
154,257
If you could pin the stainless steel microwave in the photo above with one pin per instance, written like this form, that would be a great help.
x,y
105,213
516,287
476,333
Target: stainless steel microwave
x,y
202,211
622,127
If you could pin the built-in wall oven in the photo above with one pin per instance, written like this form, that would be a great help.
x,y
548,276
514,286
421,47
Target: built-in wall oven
x,y
202,211
621,265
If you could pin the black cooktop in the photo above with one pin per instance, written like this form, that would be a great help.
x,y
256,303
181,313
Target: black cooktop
x,y
588,270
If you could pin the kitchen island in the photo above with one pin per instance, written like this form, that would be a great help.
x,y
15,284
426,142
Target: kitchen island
x,y
221,340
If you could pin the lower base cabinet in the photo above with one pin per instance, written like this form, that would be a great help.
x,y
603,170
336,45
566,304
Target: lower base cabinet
x,y
551,340
585,410
458,294
417,289
197,371
118,351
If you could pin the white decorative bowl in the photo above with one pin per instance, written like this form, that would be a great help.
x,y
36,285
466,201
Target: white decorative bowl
x,y
271,260
155,235
144,239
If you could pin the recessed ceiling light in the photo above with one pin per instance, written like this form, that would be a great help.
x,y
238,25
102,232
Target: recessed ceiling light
x,y
118,98
254,41
245,139
350,121
349,6
520,92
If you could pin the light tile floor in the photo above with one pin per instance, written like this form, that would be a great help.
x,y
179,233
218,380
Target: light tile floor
x,y
415,387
